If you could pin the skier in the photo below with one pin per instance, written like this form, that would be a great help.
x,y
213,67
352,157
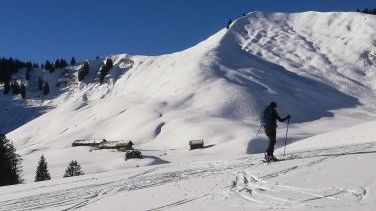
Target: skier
x,y
269,118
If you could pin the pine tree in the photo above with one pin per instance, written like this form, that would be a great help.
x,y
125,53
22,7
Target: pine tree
x,y
23,91
366,11
48,65
42,170
10,163
84,70
29,66
109,64
57,64
63,63
40,83
15,88
105,69
73,61
27,75
73,169
102,74
6,88
46,88
52,69
229,24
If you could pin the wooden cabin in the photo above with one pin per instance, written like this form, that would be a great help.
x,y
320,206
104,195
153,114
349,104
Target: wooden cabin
x,y
123,145
196,144
89,142
133,154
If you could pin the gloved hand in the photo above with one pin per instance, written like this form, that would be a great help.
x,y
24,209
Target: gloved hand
x,y
288,116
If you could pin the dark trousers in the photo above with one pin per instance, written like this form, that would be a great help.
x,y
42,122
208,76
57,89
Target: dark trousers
x,y
271,133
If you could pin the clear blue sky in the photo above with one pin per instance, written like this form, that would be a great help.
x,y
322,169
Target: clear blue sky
x,y
48,29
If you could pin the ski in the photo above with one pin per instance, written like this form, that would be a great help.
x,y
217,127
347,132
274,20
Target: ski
x,y
266,160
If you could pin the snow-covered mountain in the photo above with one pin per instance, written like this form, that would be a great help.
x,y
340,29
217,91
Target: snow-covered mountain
x,y
310,63
318,67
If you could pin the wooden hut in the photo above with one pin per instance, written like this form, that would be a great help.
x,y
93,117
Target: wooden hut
x,y
196,144
133,154
89,142
123,145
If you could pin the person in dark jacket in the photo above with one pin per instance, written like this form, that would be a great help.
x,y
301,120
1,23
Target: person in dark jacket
x,y
270,126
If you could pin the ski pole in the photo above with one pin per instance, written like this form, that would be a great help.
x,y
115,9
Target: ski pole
x,y
287,130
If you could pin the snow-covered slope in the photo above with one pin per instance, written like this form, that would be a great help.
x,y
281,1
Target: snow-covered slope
x,y
312,178
310,63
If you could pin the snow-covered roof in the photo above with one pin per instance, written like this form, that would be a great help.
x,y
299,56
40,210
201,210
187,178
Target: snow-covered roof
x,y
89,141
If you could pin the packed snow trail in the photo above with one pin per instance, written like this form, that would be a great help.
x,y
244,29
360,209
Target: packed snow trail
x,y
246,178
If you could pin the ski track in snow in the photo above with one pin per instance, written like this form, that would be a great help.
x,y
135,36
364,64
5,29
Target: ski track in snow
x,y
262,193
255,190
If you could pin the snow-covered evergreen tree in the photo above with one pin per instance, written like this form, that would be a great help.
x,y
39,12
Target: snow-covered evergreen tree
x,y
42,173
10,163
84,70
105,69
73,169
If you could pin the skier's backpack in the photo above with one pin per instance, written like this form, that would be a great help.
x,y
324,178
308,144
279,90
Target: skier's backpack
x,y
266,117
